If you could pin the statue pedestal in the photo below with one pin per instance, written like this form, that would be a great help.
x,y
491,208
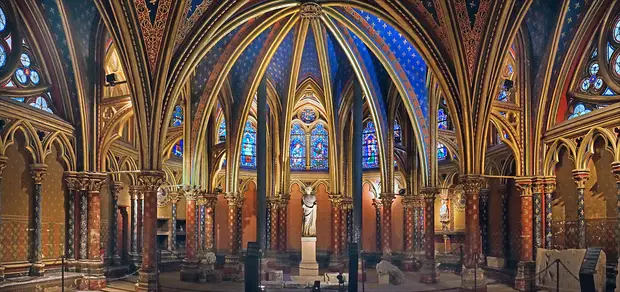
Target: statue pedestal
x,y
308,265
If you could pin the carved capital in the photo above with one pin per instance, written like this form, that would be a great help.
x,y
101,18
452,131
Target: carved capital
x,y
524,185
310,10
336,199
346,203
549,184
95,182
615,169
117,187
71,181
408,201
538,185
134,192
387,199
581,177
234,199
210,200
38,172
472,184
3,161
150,180
191,194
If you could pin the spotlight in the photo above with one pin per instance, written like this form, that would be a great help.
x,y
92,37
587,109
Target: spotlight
x,y
508,84
111,79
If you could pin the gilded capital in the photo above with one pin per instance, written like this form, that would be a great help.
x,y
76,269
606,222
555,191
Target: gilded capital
x,y
71,181
134,192
524,185
95,182
581,177
549,184
3,161
210,200
387,199
191,194
472,184
408,201
538,185
150,180
38,172
615,169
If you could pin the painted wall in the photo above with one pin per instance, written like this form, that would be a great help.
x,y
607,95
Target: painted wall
x,y
295,219
398,225
222,233
53,207
369,227
248,217
323,220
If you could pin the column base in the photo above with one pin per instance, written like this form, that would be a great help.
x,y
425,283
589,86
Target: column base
x,y
135,258
410,264
336,263
189,270
1,273
91,283
116,260
472,280
429,273
232,269
524,281
37,269
71,265
92,268
147,281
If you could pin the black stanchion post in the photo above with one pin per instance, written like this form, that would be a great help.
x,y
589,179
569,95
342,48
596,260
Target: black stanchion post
x,y
251,267
353,258
557,271
62,273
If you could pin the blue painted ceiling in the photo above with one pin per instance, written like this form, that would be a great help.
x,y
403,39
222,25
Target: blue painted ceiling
x,y
310,67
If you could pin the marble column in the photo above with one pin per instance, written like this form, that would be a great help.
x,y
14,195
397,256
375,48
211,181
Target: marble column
x,y
472,278
615,169
408,206
235,202
140,221
134,255
526,268
335,263
283,215
84,181
210,202
116,191
581,176
538,185
189,267
484,222
202,226
95,278
73,192
3,161
386,226
172,240
549,188
377,204
274,210
503,226
150,181
429,273
38,172
346,219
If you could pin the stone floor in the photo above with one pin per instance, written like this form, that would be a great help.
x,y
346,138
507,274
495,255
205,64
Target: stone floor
x,y
170,282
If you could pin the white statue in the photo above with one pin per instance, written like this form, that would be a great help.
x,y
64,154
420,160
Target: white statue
x,y
309,205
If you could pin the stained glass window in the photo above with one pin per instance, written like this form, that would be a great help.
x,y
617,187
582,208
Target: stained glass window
x,y
177,149
221,131
319,142
248,146
579,110
307,115
397,132
369,147
41,103
442,119
442,152
177,116
298,147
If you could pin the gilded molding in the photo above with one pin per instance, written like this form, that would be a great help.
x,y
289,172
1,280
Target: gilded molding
x,y
38,172
310,10
524,185
3,161
615,169
581,177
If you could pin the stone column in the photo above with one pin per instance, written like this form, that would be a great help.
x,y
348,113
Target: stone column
x,y
581,176
189,267
472,278
140,221
234,203
420,224
3,161
283,215
429,272
484,222
210,202
335,263
134,256
408,206
73,191
549,185
503,192
116,191
386,236
172,241
150,181
377,204
538,184
526,267
615,169
346,219
38,172
84,181
274,209
95,278
202,226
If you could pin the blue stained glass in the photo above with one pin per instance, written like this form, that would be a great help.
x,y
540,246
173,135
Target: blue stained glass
x,y
579,110
177,149
307,115
397,132
503,95
221,132
248,146
298,147
319,141
442,152
177,116
442,119
369,147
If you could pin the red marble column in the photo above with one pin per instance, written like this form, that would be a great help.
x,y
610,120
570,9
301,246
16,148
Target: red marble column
x,y
386,226
526,267
429,272
189,267
335,263
274,204
211,200
472,278
408,205
94,279
284,198
345,208
150,181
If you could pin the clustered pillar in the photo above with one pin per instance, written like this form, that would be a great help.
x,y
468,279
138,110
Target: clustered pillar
x,y
235,202
386,236
549,187
429,270
472,278
150,181
526,268
408,207
134,253
116,190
